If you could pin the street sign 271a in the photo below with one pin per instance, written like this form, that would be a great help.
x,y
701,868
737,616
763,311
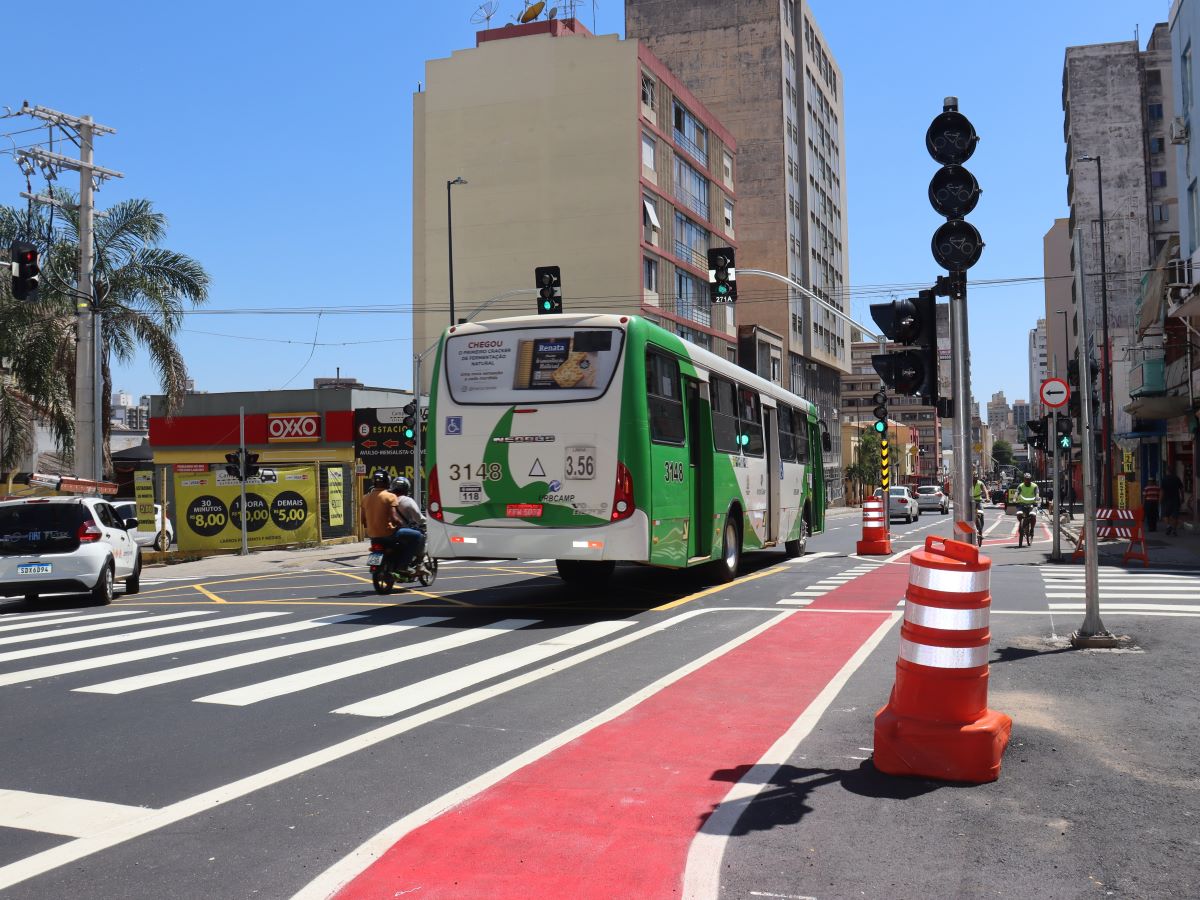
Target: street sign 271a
x,y
1054,392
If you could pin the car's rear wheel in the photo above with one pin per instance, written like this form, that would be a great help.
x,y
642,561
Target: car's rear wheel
x,y
102,593
133,583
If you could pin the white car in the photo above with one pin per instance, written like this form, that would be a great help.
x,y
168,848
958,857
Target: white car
x,y
930,496
56,545
902,503
127,509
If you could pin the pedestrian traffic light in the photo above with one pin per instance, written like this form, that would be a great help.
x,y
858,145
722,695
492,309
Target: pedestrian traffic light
x,y
234,467
722,275
1065,442
953,191
25,270
1064,425
251,467
911,321
548,281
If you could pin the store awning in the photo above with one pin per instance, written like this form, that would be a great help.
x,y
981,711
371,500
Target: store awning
x,y
1158,407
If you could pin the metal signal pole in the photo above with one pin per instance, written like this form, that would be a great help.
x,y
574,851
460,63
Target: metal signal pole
x,y
960,384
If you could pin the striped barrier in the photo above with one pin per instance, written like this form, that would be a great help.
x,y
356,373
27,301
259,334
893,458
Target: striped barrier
x,y
1120,524
936,723
875,538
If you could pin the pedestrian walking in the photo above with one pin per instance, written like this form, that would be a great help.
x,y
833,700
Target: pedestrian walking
x,y
1151,494
1172,500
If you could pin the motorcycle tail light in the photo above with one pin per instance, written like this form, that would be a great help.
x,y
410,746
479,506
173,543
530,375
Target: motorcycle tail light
x,y
376,548
435,496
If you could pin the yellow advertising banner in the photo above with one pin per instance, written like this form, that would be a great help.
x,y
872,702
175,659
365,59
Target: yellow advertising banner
x,y
1122,493
143,492
336,497
279,512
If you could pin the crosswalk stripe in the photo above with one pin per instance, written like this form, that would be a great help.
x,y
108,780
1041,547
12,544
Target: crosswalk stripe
x,y
69,816
69,617
1134,607
299,681
103,626
1108,596
411,696
1187,590
114,659
809,557
792,601
809,593
252,657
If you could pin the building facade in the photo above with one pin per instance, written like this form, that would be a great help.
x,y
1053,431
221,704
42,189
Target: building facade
x,y
1057,278
999,418
786,112
579,151
1037,370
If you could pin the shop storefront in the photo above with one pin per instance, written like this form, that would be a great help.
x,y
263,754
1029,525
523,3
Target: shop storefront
x,y
305,491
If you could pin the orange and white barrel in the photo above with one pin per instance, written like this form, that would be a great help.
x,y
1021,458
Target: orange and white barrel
x,y
875,537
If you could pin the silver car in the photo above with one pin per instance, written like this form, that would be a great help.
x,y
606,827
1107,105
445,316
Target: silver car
x,y
930,496
56,545
127,509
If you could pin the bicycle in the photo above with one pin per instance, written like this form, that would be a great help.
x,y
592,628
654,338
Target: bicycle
x,y
1027,516
979,523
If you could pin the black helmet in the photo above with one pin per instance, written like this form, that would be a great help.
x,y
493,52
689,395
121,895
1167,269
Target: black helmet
x,y
401,486
379,478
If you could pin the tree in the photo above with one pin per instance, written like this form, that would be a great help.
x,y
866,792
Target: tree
x,y
1002,452
865,468
141,290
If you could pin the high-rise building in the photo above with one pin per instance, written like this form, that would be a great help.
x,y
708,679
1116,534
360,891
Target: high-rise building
x,y
786,112
1037,369
578,151
999,418
1021,413
1056,272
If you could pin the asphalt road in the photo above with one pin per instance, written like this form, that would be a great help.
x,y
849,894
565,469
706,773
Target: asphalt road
x,y
509,736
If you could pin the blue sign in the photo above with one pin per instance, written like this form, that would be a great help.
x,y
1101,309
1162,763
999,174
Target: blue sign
x,y
454,424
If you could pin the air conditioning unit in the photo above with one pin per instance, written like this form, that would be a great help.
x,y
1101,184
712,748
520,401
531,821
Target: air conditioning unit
x,y
1179,130
1179,278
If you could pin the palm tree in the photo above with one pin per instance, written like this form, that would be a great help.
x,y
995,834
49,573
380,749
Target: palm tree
x,y
142,291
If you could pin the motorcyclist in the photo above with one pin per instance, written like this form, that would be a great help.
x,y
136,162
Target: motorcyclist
x,y
410,536
378,512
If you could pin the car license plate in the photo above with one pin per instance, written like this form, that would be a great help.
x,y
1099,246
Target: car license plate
x,y
374,559
34,569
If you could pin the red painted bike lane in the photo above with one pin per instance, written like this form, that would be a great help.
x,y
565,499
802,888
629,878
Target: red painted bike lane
x,y
613,813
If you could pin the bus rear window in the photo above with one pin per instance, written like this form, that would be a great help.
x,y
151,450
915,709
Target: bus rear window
x,y
525,365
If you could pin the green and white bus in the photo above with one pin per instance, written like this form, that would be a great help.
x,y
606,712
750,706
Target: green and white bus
x,y
596,439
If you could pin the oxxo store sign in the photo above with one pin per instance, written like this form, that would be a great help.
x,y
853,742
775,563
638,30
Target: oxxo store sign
x,y
293,427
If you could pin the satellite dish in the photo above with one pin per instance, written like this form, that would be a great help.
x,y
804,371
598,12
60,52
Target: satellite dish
x,y
553,12
483,15
532,12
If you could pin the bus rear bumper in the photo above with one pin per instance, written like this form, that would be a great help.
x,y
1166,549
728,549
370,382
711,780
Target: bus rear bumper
x,y
627,541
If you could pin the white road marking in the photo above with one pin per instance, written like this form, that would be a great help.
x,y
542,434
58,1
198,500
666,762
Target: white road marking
x,y
530,562
113,659
106,625
252,657
411,696
702,873
301,681
1133,607
70,816
794,601
809,557
68,617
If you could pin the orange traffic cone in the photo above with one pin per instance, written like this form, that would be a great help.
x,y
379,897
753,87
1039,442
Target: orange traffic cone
x,y
936,723
875,538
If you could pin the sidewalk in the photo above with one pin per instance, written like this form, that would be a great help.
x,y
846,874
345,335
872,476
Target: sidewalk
x,y
1163,549
259,561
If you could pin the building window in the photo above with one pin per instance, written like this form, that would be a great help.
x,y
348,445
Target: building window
x,y
649,90
691,187
650,274
727,164
1193,217
1155,111
728,217
650,223
1185,77
691,298
691,242
1162,212
1158,179
690,134
648,154
1158,145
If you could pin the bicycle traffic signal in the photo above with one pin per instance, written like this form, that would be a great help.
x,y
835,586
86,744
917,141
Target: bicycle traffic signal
x,y
722,275
25,270
953,191
548,281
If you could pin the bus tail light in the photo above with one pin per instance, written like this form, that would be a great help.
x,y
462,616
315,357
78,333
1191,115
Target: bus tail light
x,y
623,494
435,496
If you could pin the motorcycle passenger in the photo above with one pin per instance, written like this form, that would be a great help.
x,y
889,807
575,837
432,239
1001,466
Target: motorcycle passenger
x,y
410,536
378,511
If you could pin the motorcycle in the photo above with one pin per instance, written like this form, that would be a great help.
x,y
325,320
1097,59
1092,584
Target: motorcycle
x,y
386,574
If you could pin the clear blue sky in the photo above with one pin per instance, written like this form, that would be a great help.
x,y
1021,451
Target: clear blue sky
x,y
278,141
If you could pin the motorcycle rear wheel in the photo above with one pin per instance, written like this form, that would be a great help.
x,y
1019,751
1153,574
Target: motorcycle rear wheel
x,y
430,574
383,581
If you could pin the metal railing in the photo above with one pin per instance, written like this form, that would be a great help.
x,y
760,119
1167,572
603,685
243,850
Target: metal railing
x,y
698,205
689,255
694,150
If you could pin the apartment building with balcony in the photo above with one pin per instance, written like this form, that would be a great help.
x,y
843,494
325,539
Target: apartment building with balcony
x,y
579,151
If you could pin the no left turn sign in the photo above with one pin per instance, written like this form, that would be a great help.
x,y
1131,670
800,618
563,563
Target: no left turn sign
x,y
1054,392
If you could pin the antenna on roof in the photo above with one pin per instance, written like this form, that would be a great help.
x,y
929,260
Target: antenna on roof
x,y
483,15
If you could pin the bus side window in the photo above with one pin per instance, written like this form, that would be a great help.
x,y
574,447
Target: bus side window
x,y
787,440
664,398
750,415
724,415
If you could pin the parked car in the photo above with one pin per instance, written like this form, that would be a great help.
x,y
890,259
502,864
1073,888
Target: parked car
x,y
903,505
56,545
930,496
127,509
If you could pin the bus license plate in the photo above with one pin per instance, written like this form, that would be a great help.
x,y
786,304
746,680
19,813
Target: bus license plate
x,y
580,463
374,559
34,569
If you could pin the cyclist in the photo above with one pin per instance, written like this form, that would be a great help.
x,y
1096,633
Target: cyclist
x,y
1028,498
978,492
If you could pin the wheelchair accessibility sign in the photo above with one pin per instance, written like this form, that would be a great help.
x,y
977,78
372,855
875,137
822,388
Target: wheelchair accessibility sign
x,y
454,424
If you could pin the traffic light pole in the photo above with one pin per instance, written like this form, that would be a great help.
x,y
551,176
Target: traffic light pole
x,y
960,379
1056,530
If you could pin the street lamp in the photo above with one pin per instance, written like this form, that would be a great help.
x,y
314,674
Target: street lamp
x,y
1105,355
450,238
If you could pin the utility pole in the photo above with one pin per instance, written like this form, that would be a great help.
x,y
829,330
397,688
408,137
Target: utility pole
x,y
89,345
242,480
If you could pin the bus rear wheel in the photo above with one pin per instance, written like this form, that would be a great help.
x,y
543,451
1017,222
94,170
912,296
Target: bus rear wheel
x,y
584,572
798,546
725,569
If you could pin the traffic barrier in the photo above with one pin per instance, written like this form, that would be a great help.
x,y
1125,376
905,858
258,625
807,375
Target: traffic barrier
x,y
875,538
936,723
1119,523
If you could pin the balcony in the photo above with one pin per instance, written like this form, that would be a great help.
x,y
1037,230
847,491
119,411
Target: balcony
x,y
1148,379
691,256
694,150
697,204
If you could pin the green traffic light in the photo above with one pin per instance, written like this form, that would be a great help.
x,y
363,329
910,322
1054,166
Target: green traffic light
x,y
1065,442
722,289
408,433
545,304
881,427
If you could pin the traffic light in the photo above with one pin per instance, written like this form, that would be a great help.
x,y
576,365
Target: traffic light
x,y
912,322
722,275
548,281
234,467
410,420
251,468
1036,429
881,413
25,270
953,191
